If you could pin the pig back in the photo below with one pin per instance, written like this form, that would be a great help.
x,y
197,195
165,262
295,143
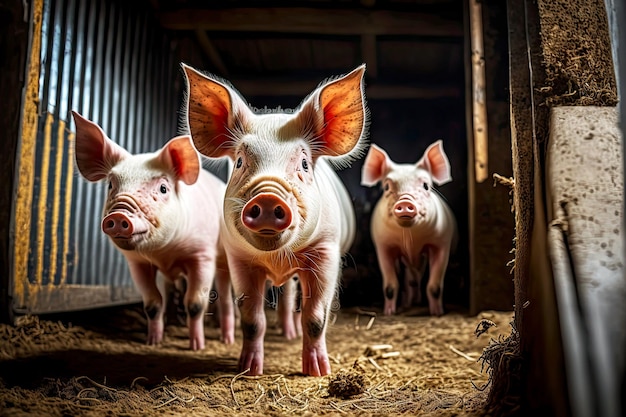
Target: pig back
x,y
336,203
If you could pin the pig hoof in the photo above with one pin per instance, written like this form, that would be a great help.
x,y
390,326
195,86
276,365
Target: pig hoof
x,y
315,363
153,341
390,308
228,338
251,361
196,344
155,333
436,311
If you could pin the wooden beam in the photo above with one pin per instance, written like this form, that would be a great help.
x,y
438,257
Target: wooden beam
x,y
211,52
370,55
251,88
479,104
309,20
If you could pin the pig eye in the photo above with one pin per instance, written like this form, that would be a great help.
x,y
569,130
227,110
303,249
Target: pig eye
x,y
110,185
239,162
305,165
426,187
386,187
163,189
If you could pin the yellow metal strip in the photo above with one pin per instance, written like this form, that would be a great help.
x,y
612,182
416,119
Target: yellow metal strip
x,y
67,216
42,208
56,204
26,162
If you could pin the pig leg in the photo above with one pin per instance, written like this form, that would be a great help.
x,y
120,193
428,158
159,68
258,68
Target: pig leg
x,y
386,261
250,296
438,262
318,290
225,302
288,314
199,283
411,287
144,275
413,280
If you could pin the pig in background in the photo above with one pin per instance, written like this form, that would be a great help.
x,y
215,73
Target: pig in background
x,y
163,212
286,211
412,227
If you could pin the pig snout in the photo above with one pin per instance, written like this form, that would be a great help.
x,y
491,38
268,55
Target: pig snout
x,y
407,211
118,225
266,213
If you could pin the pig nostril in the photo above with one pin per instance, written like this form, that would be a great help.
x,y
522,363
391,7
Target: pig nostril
x,y
279,212
110,224
255,211
125,224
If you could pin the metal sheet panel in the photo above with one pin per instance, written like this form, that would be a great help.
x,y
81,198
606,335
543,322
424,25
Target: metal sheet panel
x,y
109,61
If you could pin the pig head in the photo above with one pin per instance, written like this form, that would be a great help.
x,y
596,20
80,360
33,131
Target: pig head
x,y
286,211
411,223
162,212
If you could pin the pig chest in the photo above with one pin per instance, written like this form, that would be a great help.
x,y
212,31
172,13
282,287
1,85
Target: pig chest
x,y
406,243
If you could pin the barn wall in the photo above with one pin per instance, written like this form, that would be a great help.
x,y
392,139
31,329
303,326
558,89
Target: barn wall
x,y
568,200
111,62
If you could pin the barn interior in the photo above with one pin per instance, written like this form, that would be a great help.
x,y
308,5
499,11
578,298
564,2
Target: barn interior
x,y
120,65
418,87
436,69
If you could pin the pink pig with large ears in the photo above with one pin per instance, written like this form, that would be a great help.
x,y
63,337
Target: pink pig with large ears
x,y
411,223
163,212
286,211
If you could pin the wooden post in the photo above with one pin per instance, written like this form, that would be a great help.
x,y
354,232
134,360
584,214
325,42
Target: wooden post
x,y
479,105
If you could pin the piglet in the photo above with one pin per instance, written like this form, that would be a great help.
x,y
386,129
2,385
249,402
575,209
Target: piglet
x,y
286,211
163,212
411,223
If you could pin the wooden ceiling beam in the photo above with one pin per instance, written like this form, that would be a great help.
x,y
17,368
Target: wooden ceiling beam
x,y
250,88
309,20
370,55
211,52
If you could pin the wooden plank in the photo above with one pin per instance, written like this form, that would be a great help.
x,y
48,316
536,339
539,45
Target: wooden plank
x,y
211,52
370,55
586,209
479,102
15,30
271,88
309,20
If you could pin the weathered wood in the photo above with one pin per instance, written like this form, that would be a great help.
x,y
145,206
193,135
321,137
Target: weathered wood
x,y
13,47
308,20
543,384
491,222
585,181
479,102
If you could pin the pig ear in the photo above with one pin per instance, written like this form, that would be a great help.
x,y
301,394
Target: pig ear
x,y
182,158
214,111
375,167
334,118
436,162
95,153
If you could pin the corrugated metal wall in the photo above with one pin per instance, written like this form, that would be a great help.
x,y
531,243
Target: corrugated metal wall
x,y
109,61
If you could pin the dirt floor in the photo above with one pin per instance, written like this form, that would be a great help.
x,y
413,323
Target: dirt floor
x,y
83,364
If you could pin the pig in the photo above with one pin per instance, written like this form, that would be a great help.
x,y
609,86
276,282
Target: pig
x,y
411,223
163,212
286,211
